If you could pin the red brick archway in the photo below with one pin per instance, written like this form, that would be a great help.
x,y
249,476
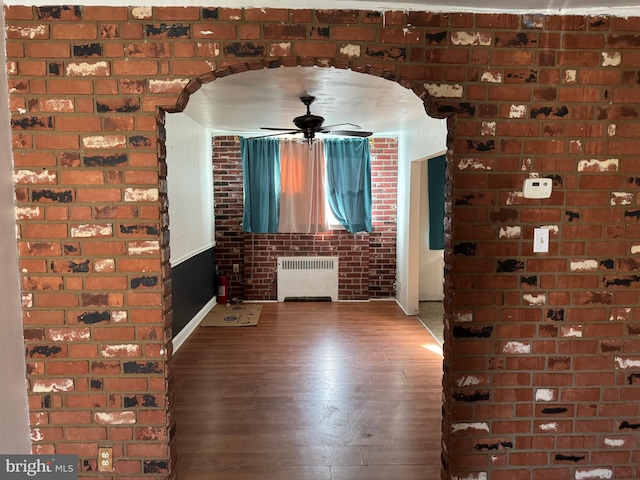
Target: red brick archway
x,y
541,351
194,85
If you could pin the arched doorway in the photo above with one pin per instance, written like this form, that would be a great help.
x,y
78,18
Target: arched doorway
x,y
405,252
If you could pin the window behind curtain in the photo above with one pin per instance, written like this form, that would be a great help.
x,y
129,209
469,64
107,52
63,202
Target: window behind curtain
x,y
285,190
302,191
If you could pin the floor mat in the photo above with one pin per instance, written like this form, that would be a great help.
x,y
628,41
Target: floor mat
x,y
242,315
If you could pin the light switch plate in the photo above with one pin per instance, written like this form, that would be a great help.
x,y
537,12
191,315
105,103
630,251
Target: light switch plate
x,y
537,188
540,240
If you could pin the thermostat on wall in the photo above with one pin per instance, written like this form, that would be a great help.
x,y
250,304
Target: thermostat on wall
x,y
537,188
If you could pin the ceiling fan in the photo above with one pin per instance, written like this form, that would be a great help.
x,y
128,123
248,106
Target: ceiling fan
x,y
309,124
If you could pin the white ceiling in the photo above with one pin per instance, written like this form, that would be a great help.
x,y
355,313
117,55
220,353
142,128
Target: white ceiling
x,y
245,102
579,7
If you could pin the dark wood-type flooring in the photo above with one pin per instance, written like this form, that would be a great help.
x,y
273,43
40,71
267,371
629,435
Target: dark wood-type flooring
x,y
316,391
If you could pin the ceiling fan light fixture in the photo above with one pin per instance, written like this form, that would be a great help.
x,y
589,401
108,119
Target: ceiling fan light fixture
x,y
306,122
310,124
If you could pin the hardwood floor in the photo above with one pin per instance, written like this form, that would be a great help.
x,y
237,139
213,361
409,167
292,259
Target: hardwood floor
x,y
316,391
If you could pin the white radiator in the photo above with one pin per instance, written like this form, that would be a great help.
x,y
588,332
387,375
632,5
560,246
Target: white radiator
x,y
307,277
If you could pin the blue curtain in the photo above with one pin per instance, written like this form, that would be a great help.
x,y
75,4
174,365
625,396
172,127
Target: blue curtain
x,y
261,177
349,182
436,169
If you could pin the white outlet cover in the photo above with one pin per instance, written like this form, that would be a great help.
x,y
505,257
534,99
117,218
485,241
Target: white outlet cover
x,y
537,188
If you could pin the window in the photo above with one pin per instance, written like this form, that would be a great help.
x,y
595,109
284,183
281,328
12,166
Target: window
x,y
285,188
302,188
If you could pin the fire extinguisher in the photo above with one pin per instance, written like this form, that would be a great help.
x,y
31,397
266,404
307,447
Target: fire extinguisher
x,y
223,289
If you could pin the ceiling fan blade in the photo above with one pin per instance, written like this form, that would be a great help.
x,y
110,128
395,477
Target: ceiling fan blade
x,y
350,133
288,132
310,124
330,128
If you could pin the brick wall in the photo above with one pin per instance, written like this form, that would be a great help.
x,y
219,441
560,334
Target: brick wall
x,y
366,261
542,355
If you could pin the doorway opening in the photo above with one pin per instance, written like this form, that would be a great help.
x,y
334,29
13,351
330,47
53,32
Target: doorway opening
x,y
425,193
405,252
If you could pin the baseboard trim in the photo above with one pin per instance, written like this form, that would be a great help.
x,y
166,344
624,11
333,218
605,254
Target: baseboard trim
x,y
188,329
429,330
404,309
